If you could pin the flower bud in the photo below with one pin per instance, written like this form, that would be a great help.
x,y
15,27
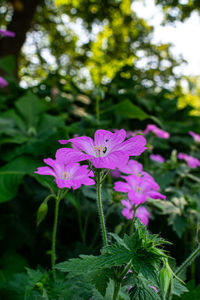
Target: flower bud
x,y
165,278
42,212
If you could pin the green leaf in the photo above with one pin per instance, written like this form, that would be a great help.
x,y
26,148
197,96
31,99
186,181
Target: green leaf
x,y
178,288
110,290
179,225
30,107
12,174
128,110
7,63
143,291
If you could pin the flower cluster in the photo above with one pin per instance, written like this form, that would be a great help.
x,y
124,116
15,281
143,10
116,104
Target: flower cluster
x,y
157,131
107,151
191,161
139,185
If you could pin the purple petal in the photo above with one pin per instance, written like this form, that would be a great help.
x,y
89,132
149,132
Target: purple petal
x,y
68,155
122,187
127,204
128,214
133,146
3,82
155,195
143,214
45,171
111,161
136,198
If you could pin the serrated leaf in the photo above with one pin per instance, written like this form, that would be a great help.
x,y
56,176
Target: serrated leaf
x,y
178,288
143,291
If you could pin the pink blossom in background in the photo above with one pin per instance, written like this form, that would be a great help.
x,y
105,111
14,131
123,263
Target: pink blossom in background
x,y
191,161
7,33
3,82
107,150
195,136
115,173
133,133
157,157
138,189
141,212
157,131
67,175
133,167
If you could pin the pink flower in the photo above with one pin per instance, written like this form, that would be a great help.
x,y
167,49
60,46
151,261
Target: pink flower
x,y
157,157
107,150
3,82
115,173
132,167
191,161
138,189
141,212
67,175
195,136
154,288
157,131
7,33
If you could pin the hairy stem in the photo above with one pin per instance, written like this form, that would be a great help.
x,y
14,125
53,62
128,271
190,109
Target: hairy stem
x,y
188,261
53,249
100,207
116,290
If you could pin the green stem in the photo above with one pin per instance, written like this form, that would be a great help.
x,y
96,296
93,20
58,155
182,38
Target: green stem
x,y
188,261
103,226
133,220
126,269
53,250
116,290
97,110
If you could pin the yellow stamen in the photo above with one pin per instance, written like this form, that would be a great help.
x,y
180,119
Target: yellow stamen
x,y
100,149
66,175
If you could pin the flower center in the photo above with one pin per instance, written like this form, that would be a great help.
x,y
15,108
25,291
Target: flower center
x,y
99,150
65,175
139,189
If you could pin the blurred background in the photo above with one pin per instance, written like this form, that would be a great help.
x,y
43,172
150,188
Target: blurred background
x,y
74,66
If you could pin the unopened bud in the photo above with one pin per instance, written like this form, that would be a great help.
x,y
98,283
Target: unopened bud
x,y
42,212
165,278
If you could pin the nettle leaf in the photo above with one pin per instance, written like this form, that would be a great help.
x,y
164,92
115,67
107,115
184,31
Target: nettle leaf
x,y
100,279
178,288
110,290
143,291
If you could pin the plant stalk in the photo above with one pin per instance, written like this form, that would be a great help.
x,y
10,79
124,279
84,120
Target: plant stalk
x,y
100,207
116,290
53,249
189,260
